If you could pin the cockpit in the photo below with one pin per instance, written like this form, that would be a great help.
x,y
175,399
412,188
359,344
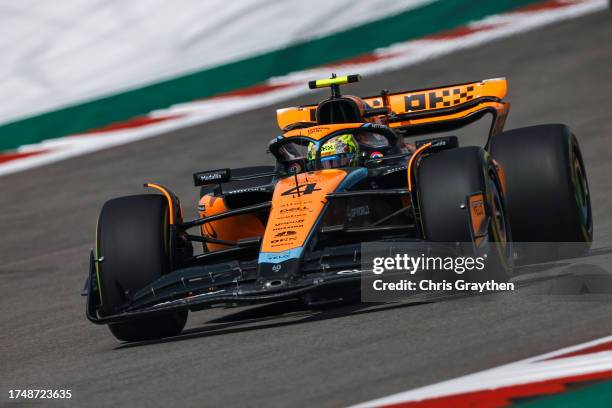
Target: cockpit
x,y
351,147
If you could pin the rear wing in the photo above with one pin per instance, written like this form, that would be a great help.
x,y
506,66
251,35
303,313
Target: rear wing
x,y
424,110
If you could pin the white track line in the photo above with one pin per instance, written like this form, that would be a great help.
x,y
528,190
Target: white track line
x,y
526,371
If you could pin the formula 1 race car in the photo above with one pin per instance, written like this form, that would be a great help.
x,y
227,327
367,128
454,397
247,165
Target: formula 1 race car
x,y
347,170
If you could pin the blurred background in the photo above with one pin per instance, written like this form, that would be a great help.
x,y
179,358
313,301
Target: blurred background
x,y
82,66
101,96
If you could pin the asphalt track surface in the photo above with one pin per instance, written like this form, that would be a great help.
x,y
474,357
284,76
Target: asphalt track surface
x,y
260,356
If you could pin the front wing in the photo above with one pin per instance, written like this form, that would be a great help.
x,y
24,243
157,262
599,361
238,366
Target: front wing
x,y
229,283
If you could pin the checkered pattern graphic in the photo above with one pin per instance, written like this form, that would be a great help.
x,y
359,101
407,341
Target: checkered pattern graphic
x,y
455,96
440,98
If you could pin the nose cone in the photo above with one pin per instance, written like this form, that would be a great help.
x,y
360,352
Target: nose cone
x,y
297,205
279,275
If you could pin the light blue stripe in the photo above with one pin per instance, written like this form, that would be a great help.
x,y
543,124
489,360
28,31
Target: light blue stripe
x,y
278,257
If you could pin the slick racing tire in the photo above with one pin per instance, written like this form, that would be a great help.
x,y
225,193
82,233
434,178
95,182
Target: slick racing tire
x,y
133,243
445,180
548,194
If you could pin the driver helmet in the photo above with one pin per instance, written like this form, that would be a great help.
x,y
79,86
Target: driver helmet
x,y
339,151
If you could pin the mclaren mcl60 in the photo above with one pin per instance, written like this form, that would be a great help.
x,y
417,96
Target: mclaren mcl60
x,y
347,170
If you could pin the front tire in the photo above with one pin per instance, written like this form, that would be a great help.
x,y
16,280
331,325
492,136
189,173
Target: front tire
x,y
445,180
133,240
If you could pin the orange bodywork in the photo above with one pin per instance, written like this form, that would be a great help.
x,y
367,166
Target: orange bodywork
x,y
292,216
434,101
298,201
229,229
498,106
168,196
414,156
444,97
478,216
319,132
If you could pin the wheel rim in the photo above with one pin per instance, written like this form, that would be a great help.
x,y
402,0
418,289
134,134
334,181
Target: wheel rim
x,y
581,189
499,227
498,216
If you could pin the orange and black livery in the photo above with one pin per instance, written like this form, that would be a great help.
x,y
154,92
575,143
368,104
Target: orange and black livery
x,y
385,168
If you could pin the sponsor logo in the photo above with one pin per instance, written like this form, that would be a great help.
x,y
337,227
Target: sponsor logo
x,y
349,272
292,209
279,257
376,157
395,169
442,98
295,168
246,190
478,208
209,177
285,233
354,212
317,129
439,143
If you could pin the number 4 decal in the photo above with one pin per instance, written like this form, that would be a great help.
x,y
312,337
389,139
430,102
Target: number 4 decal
x,y
308,189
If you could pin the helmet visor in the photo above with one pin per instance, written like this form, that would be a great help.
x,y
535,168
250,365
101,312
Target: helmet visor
x,y
337,160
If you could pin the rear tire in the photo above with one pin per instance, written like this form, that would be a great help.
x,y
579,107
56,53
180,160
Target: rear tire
x,y
548,194
445,180
132,238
